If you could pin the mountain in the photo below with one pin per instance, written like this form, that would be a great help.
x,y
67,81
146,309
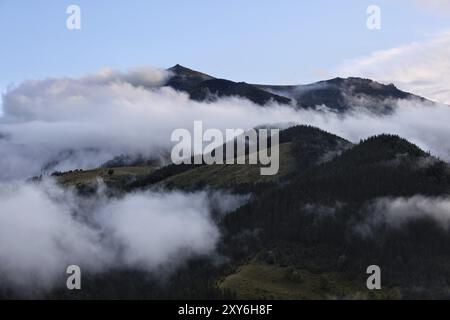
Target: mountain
x,y
338,94
185,79
343,94
310,232
202,87
301,148
314,229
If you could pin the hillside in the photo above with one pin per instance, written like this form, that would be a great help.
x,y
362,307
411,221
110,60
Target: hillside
x,y
301,147
300,236
312,223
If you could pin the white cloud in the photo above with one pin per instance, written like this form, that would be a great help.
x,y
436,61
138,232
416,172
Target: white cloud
x,y
39,237
160,229
87,121
44,228
396,212
422,68
425,126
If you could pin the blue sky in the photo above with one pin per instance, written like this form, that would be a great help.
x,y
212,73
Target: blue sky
x,y
254,40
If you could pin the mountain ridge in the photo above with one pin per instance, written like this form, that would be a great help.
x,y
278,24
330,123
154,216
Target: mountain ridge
x,y
337,94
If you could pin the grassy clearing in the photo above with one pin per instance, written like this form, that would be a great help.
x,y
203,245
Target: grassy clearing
x,y
215,176
258,280
225,176
109,175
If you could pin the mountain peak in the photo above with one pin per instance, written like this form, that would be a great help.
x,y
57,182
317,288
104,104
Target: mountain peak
x,y
179,67
186,79
179,70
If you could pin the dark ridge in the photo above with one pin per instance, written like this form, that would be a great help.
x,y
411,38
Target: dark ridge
x,y
342,94
185,79
380,166
203,87
367,86
305,132
209,90
183,71
338,94
380,148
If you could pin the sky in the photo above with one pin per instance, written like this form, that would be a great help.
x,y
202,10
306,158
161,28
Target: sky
x,y
257,41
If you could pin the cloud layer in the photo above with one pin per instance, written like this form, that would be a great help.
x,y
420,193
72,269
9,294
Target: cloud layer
x,y
61,124
66,123
44,228
396,212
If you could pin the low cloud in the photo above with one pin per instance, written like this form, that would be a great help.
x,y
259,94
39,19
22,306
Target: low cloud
x,y
396,212
421,124
39,236
63,124
44,228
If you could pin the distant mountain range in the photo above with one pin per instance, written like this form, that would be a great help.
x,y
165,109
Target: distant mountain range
x,y
337,94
